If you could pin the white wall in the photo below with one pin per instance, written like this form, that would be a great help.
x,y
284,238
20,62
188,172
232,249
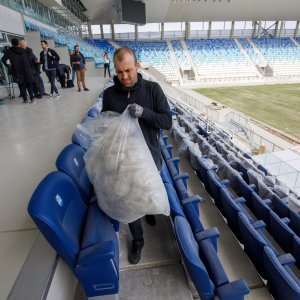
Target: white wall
x,y
11,21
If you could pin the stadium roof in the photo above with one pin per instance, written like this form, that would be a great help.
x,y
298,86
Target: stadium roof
x,y
104,11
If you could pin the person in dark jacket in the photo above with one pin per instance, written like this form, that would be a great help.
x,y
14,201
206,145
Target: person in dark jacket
x,y
78,60
38,86
21,69
148,103
49,59
63,71
73,67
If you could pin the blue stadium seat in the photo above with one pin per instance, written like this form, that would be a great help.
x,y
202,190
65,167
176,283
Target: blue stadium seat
x,y
215,184
82,235
70,161
254,240
93,113
261,208
231,208
245,190
205,286
282,281
281,232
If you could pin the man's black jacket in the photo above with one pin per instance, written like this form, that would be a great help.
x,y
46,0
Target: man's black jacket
x,y
52,60
156,113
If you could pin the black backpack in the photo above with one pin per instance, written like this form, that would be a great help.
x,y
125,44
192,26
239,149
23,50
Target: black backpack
x,y
70,83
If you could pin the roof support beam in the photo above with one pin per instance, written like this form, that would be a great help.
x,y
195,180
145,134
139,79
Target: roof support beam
x,y
232,29
162,35
136,36
296,29
209,30
101,31
187,30
112,31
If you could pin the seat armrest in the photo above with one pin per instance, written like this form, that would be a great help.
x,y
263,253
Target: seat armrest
x,y
259,224
240,200
225,183
286,259
165,138
233,290
183,177
286,220
267,202
212,232
94,254
193,199
252,187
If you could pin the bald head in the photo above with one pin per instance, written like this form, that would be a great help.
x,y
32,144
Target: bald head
x,y
122,52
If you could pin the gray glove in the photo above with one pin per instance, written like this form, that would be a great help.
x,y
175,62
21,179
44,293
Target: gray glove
x,y
135,110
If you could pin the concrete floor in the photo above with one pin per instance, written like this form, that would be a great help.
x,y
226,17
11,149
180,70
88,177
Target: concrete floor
x,y
32,135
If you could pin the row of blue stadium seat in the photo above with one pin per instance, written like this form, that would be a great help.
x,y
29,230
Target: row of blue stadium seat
x,y
248,215
89,50
198,246
64,209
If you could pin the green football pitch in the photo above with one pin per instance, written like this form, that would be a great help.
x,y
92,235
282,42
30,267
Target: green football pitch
x,y
275,105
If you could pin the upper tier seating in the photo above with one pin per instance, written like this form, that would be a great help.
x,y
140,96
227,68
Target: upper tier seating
x,y
282,54
181,57
156,54
220,58
257,60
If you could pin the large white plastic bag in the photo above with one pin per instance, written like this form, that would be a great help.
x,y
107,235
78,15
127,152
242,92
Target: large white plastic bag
x,y
89,131
120,166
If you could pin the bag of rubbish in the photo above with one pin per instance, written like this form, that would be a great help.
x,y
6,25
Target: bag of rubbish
x,y
125,178
89,131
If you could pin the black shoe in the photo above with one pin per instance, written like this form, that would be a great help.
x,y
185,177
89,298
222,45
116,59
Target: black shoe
x,y
86,89
40,96
25,101
79,90
135,252
150,220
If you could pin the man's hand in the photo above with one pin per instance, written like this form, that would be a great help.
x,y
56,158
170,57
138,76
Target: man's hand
x,y
135,110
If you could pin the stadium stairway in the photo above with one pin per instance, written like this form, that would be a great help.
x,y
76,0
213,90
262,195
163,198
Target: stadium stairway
x,y
175,62
188,55
247,56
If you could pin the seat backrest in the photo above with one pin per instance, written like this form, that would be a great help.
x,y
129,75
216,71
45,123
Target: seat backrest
x,y
70,161
281,232
190,254
231,210
253,242
175,205
281,208
59,212
261,210
165,174
295,222
281,283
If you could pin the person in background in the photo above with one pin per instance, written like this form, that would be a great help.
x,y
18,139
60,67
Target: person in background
x,y
38,86
71,52
21,69
49,59
78,61
148,103
106,59
63,71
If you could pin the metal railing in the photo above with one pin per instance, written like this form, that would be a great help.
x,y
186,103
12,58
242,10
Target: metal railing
x,y
247,134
